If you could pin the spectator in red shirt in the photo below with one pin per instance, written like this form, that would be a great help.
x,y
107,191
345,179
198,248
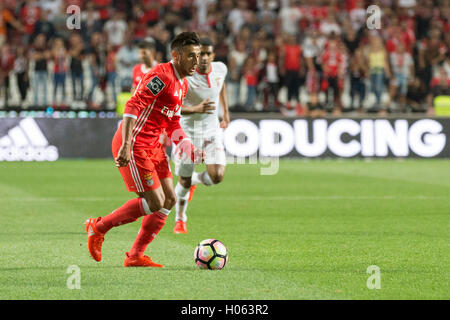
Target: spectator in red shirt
x,y
332,59
29,16
291,56
251,80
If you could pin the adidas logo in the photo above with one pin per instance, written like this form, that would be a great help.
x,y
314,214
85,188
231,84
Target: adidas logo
x,y
26,142
91,231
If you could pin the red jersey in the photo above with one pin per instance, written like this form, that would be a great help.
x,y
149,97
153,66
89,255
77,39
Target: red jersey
x,y
138,72
332,61
29,16
156,105
292,56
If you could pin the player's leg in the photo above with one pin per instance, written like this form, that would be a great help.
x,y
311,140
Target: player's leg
x,y
138,178
160,201
213,174
215,162
183,170
130,211
182,190
151,225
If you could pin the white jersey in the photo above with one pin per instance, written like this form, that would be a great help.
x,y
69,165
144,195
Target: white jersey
x,y
202,87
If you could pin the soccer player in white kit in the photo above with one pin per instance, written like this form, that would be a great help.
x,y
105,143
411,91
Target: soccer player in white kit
x,y
200,121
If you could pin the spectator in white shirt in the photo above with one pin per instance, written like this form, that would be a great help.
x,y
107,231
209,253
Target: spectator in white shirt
x,y
403,71
115,29
289,18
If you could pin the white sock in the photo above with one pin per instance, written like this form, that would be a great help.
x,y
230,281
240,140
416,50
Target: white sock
x,y
181,214
182,195
202,178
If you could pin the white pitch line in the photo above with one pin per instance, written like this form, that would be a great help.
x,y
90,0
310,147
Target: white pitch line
x,y
242,198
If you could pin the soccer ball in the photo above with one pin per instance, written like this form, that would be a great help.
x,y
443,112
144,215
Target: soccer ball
x,y
210,254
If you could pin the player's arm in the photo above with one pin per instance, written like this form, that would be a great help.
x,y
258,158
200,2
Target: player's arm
x,y
123,157
224,103
205,106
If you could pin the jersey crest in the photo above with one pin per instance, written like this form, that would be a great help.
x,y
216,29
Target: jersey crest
x,y
156,85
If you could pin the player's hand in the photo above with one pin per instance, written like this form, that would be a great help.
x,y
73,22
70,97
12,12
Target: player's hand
x,y
199,155
205,106
225,121
123,157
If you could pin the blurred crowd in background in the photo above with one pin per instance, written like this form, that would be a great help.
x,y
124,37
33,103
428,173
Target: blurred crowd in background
x,y
297,57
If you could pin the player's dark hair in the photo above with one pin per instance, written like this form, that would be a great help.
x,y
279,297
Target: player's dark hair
x,y
185,39
147,43
206,42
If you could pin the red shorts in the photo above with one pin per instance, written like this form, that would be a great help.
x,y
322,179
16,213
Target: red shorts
x,y
146,167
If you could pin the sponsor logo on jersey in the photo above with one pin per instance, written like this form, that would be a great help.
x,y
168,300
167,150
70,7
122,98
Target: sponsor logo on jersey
x,y
156,85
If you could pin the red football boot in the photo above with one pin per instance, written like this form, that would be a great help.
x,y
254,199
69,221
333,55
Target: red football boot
x,y
140,261
95,239
180,227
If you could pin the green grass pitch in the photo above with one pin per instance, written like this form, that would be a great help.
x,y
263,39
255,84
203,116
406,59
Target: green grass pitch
x,y
308,232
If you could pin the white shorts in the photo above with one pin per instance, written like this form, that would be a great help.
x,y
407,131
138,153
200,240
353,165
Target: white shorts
x,y
213,147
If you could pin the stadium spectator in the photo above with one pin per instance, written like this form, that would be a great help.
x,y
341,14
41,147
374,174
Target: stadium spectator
x,y
440,87
6,65
402,72
332,60
330,25
358,73
291,69
238,55
127,57
29,16
90,21
272,82
378,70
416,95
6,17
40,55
21,65
60,24
59,57
111,72
51,7
115,29
251,74
289,18
77,54
238,16
313,46
44,26
97,64
358,15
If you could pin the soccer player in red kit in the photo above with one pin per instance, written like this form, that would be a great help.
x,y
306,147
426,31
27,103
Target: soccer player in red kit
x,y
155,106
147,56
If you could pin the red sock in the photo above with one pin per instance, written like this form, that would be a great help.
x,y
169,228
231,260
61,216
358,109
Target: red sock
x,y
127,213
151,225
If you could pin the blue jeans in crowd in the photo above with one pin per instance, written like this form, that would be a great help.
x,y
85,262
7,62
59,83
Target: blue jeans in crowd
x,y
59,81
111,79
377,85
94,83
77,77
40,87
251,98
